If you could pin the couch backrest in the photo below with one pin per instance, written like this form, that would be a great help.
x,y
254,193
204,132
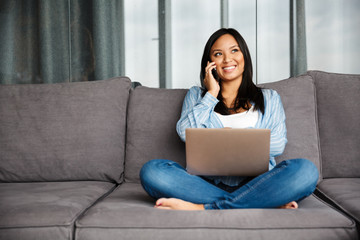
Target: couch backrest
x,y
338,96
63,132
151,128
299,101
153,114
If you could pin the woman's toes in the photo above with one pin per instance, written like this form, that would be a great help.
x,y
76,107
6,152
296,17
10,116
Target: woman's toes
x,y
290,205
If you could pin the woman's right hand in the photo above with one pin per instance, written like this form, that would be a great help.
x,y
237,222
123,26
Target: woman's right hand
x,y
211,84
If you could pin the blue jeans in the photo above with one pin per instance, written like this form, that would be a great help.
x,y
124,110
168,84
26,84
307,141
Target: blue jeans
x,y
290,180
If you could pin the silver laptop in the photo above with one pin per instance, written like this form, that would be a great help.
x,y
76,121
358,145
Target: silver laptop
x,y
227,152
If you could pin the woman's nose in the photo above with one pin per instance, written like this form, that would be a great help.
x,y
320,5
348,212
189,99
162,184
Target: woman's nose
x,y
226,58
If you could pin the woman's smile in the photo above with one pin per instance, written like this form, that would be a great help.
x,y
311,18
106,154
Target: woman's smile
x,y
229,69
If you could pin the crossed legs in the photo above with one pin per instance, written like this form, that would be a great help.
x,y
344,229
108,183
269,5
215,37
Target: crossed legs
x,y
288,182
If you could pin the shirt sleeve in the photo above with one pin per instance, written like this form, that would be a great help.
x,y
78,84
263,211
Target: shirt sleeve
x,y
196,111
276,123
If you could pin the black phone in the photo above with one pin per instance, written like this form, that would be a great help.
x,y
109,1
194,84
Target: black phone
x,y
215,74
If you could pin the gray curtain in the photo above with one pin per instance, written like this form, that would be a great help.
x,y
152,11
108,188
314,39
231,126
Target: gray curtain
x,y
49,41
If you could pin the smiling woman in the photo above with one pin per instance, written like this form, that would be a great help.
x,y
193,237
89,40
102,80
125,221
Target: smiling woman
x,y
232,92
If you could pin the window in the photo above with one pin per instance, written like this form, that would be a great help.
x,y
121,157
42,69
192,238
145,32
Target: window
x,y
273,40
265,27
242,17
142,42
159,43
192,24
333,36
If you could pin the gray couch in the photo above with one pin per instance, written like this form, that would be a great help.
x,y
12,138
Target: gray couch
x,y
70,156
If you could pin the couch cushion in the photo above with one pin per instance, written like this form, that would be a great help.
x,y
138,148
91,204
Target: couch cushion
x,y
339,120
298,98
313,220
45,210
345,193
63,132
151,128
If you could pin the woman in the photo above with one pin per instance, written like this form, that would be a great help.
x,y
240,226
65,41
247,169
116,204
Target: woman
x,y
229,98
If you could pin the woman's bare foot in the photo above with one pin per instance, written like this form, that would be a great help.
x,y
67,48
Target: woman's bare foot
x,y
177,204
290,205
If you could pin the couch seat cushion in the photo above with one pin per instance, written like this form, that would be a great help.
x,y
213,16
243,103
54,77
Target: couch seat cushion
x,y
45,210
128,212
63,132
345,193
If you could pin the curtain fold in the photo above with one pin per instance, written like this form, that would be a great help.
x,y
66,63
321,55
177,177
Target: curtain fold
x,y
106,38
53,42
50,41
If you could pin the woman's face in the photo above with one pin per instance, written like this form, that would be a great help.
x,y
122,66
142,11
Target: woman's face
x,y
228,58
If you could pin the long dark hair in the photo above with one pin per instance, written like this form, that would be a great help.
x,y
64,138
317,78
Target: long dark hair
x,y
248,91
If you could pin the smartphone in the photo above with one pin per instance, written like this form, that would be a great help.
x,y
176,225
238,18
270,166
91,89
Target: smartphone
x,y
214,73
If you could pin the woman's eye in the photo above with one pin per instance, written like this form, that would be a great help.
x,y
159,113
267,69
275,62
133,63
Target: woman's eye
x,y
235,50
217,54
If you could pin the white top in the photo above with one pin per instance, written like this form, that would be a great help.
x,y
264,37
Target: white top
x,y
246,119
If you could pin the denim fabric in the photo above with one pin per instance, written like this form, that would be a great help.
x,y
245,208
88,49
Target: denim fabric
x,y
290,180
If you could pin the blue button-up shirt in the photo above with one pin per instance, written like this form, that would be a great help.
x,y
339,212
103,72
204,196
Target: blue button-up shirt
x,y
198,112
